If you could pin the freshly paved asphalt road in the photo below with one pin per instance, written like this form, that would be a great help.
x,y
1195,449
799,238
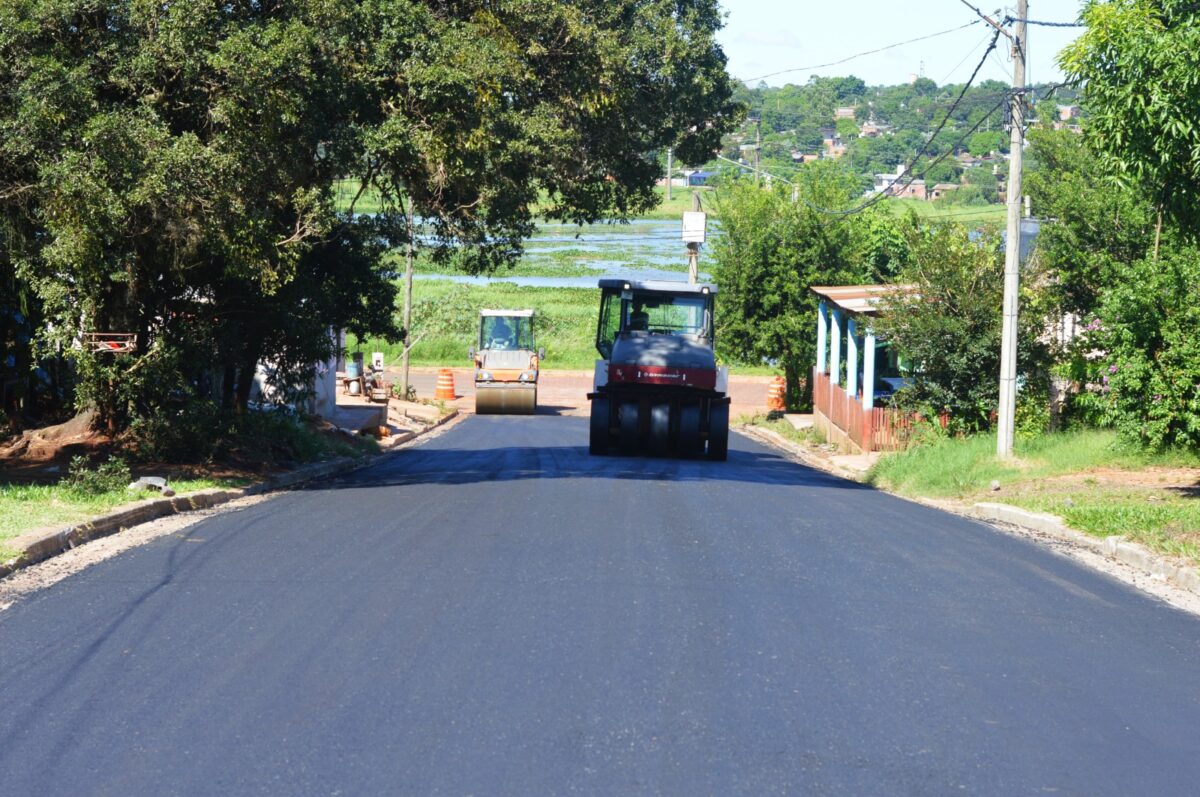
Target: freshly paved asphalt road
x,y
497,613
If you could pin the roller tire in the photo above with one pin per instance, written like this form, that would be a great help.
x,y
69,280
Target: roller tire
x,y
598,435
660,429
718,432
628,424
690,442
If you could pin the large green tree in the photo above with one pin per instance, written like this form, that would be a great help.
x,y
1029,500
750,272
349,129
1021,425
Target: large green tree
x,y
946,323
773,249
167,169
1137,63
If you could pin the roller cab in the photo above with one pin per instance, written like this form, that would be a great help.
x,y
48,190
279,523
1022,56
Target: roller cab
x,y
506,363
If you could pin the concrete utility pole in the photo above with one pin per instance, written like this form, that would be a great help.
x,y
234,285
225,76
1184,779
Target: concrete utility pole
x,y
670,157
1012,251
408,280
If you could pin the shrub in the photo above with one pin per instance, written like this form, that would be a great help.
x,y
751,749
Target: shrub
x,y
1147,382
109,476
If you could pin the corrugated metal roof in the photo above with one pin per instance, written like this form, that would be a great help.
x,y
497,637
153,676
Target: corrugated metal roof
x,y
859,299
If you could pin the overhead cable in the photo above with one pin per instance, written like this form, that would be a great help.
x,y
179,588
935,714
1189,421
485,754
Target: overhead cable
x,y
860,55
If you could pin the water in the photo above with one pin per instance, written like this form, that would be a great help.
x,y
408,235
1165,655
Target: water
x,y
644,249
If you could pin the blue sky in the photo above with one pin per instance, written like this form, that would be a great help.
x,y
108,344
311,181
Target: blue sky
x,y
763,36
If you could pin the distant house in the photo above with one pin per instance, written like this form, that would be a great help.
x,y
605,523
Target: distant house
x,y
699,177
914,190
1068,112
843,113
884,182
941,189
872,129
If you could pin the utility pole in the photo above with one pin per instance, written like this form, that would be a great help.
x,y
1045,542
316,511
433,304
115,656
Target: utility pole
x,y
757,149
694,247
408,281
670,157
1012,250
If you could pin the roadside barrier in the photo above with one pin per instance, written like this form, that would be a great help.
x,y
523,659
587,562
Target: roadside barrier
x,y
776,394
445,385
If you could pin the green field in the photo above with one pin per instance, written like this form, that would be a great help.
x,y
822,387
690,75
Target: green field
x,y
681,200
966,214
448,312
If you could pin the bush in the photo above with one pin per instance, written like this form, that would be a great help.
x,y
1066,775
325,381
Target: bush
x,y
109,476
1147,382
949,326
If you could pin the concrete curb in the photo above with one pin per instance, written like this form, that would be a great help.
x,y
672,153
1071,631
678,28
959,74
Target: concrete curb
x,y
37,547
1115,547
779,441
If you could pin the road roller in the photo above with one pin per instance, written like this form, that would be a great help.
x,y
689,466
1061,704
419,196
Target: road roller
x,y
658,390
506,363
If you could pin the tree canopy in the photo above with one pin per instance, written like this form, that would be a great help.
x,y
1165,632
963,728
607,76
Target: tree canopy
x,y
169,169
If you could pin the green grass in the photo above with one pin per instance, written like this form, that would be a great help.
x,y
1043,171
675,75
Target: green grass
x,y
681,200
989,214
27,507
784,428
566,324
1076,475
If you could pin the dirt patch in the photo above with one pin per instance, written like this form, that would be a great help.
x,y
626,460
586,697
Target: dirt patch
x,y
1186,480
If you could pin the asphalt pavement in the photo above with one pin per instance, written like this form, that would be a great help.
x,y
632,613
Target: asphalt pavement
x,y
496,612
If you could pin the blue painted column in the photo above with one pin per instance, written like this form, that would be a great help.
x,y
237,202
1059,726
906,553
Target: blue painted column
x,y
851,357
868,398
822,334
835,347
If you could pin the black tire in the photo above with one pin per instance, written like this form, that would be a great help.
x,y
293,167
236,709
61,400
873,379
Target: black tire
x,y
628,423
660,429
718,432
690,442
598,432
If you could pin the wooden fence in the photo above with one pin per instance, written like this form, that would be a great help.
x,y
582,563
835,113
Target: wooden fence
x,y
875,429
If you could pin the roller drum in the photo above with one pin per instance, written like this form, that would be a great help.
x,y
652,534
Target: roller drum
x,y
491,400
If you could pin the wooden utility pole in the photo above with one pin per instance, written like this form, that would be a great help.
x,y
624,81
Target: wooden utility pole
x,y
670,157
408,281
1012,250
757,150
694,247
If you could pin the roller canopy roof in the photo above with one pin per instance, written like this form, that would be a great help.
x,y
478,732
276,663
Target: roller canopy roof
x,y
508,313
659,285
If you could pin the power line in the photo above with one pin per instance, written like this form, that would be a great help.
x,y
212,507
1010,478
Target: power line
x,y
925,147
860,55
1048,24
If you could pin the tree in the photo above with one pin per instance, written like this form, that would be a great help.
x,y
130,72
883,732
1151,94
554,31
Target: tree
x,y
948,326
168,169
1136,61
772,250
984,143
1146,382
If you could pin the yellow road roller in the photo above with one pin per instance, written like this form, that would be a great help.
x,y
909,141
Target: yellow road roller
x,y
506,363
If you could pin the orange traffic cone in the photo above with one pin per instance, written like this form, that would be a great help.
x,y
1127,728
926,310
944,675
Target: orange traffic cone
x,y
775,395
445,385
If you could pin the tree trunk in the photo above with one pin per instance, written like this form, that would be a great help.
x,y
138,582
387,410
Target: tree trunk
x,y
1157,232
245,383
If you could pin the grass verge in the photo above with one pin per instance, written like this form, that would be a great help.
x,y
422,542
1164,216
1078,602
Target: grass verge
x,y
25,507
1084,477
